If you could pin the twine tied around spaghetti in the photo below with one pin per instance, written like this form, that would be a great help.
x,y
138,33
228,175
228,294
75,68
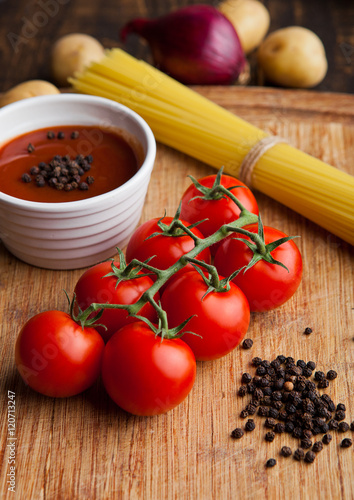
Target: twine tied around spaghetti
x,y
255,153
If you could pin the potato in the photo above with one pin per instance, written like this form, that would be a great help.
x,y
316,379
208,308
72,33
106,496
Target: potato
x,y
293,57
72,53
24,90
250,19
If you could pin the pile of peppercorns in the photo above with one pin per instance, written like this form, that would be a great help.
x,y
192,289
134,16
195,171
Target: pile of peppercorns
x,y
290,402
62,172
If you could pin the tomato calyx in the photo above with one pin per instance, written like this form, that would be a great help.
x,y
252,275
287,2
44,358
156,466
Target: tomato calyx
x,y
125,272
163,331
257,245
217,191
82,317
176,228
212,280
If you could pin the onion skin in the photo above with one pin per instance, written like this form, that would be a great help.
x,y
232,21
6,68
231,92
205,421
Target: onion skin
x,y
196,45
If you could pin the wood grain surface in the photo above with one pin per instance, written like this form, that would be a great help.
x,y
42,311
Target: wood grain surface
x,y
85,447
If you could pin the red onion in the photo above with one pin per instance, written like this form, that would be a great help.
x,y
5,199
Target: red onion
x,y
196,45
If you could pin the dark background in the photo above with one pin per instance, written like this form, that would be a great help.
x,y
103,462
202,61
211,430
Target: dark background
x,y
28,29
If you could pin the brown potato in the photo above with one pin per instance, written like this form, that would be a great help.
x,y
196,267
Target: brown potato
x,y
72,53
27,89
293,57
250,19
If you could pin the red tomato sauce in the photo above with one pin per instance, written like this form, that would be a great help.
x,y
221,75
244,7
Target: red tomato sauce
x,y
114,161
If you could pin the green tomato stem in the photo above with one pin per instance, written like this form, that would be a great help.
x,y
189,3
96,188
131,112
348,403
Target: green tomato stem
x,y
163,276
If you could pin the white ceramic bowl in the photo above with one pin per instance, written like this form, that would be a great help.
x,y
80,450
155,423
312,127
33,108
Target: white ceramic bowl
x,y
72,235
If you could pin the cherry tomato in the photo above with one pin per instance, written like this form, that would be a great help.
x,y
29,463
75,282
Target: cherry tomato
x,y
165,250
95,286
56,356
265,285
219,211
220,319
144,374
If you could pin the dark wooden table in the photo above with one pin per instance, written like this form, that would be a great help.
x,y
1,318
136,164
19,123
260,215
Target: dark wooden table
x,y
28,28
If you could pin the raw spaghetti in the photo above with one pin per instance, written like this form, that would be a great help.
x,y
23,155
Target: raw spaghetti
x,y
185,120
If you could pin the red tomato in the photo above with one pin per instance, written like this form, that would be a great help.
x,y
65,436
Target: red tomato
x,y
94,286
221,318
56,356
165,250
144,374
217,212
265,285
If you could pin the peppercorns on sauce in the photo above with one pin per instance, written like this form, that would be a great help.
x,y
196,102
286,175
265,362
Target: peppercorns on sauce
x,y
67,163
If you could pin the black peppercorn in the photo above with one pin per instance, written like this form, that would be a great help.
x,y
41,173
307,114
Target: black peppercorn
x,y
324,428
333,424
30,148
276,396
279,428
340,415
246,378
26,178
352,426
61,135
306,443
244,414
271,462
269,436
286,451
299,454
310,457
267,391
237,433
289,427
273,413
263,411
242,391
34,170
323,384
290,408
247,343
307,372
258,393
250,425
256,361
261,370
279,384
270,423
306,433
317,447
319,375
331,375
346,443
327,438
311,365
343,427
74,135
251,388
297,432
341,407
308,330
281,358
251,409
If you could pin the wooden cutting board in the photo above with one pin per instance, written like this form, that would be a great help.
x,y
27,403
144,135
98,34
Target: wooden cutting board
x,y
86,448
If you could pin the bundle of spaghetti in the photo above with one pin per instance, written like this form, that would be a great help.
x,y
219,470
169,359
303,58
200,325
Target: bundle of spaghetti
x,y
185,120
